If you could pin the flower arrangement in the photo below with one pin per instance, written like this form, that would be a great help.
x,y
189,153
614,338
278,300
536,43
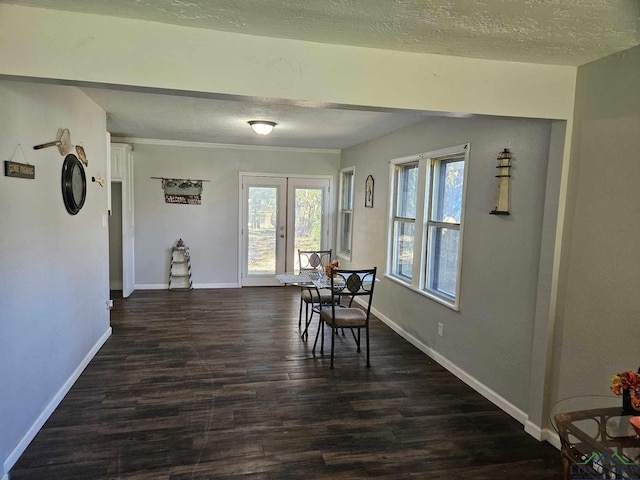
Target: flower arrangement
x,y
627,384
330,267
628,380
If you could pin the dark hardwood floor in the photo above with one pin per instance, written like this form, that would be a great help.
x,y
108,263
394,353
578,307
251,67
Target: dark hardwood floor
x,y
218,384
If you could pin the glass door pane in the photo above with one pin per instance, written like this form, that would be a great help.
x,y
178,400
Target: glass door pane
x,y
308,220
261,230
307,226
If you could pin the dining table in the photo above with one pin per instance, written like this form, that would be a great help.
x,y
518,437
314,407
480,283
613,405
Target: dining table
x,y
312,279
309,280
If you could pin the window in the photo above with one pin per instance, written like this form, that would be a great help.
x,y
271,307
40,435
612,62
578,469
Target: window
x,y
345,220
425,225
404,219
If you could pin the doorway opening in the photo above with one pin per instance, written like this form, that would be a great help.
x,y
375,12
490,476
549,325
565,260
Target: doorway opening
x,y
115,239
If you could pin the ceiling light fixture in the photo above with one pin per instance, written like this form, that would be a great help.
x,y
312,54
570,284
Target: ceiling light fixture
x,y
262,127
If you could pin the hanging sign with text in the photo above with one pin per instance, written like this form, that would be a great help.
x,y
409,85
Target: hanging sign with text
x,y
19,170
182,191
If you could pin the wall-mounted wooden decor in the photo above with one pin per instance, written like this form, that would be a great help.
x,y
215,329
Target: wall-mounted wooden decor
x,y
368,192
182,191
63,142
504,173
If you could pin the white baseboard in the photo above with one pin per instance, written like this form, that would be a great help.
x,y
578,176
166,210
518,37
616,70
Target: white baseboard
x,y
216,285
551,436
13,457
532,429
196,286
542,434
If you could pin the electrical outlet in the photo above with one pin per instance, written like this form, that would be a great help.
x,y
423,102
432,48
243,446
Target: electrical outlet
x,y
440,329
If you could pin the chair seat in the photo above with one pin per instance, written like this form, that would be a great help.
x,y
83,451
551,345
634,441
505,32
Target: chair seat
x,y
311,295
345,317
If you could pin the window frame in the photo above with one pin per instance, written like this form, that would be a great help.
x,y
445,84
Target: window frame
x,y
344,173
426,194
400,220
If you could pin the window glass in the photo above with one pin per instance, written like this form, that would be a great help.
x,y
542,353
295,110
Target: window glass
x,y
347,190
404,234
407,189
443,254
345,233
345,219
448,191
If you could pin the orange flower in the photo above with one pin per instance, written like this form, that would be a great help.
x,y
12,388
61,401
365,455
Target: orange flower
x,y
331,266
626,380
616,385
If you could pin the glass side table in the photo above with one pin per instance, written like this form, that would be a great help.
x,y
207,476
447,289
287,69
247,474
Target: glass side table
x,y
597,440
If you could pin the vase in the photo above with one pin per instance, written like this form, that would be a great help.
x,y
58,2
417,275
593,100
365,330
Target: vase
x,y
627,403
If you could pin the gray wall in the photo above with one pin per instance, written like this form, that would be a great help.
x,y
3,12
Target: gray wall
x,y
210,229
490,338
598,301
54,267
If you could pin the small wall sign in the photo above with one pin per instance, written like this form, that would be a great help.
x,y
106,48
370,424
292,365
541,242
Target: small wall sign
x,y
19,170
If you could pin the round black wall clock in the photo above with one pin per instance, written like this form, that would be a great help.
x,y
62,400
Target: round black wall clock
x,y
74,184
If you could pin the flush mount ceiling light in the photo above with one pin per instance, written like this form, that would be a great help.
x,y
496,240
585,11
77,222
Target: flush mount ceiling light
x,y
262,127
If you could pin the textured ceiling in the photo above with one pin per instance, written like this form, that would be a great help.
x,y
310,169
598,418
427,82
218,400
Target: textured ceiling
x,y
561,32
192,119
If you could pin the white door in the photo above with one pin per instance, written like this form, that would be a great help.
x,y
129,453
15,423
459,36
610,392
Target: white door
x,y
121,170
279,216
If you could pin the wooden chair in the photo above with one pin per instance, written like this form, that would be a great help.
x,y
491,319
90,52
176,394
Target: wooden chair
x,y
346,285
312,261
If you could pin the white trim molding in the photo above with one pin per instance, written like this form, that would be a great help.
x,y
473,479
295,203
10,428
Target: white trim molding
x,y
196,286
13,457
551,436
180,143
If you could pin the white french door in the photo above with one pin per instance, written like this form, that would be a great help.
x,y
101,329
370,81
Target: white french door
x,y
279,216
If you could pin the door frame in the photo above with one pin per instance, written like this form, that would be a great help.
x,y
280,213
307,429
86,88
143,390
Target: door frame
x,y
128,223
329,215
128,227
